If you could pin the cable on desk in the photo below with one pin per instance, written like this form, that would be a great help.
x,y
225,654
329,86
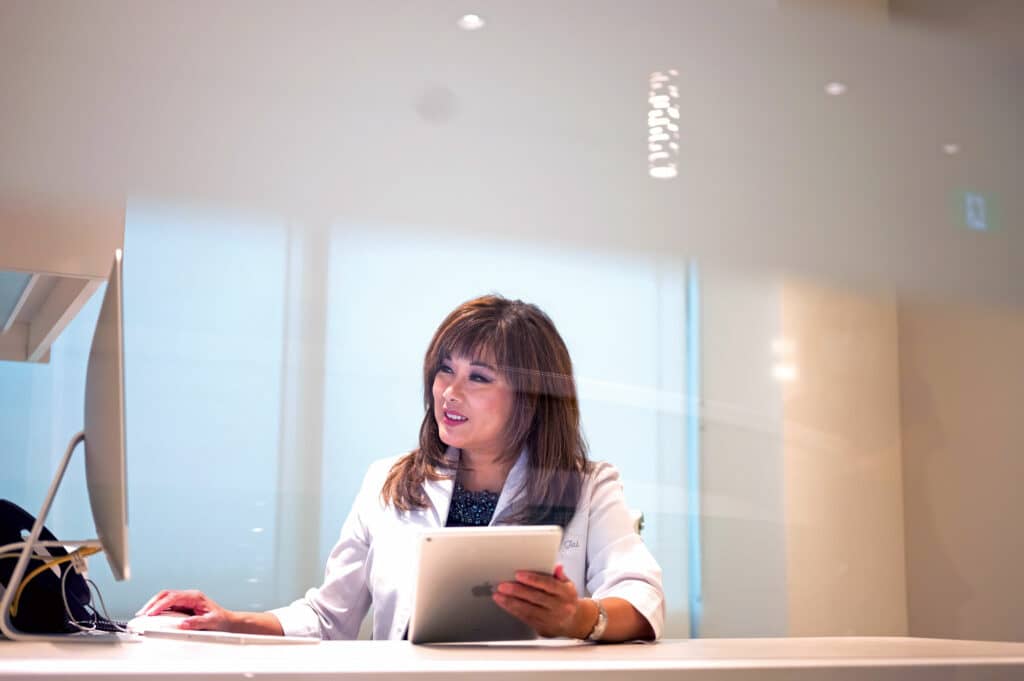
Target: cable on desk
x,y
78,553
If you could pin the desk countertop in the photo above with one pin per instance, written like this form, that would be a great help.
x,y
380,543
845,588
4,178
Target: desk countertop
x,y
717,659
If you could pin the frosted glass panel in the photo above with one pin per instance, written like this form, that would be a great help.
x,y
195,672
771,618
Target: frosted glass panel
x,y
203,348
389,289
235,325
203,314
41,408
11,286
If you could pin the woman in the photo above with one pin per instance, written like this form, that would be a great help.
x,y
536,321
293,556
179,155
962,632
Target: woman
x,y
500,443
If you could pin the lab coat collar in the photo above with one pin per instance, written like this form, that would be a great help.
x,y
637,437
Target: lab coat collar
x,y
440,491
515,482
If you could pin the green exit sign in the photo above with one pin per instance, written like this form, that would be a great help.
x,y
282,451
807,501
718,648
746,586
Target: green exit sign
x,y
976,211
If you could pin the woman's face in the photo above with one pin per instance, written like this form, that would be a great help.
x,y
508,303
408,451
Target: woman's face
x,y
472,405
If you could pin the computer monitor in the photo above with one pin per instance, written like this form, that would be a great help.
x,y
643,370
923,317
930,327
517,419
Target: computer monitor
x,y
105,455
105,463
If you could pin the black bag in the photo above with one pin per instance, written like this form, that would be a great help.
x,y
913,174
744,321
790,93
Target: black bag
x,y
41,607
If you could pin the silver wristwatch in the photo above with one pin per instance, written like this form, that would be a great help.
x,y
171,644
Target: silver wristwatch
x,y
600,625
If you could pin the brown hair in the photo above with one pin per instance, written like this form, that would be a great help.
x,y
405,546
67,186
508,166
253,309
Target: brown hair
x,y
545,418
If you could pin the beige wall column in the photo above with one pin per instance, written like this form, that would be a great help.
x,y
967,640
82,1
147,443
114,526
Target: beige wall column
x,y
962,380
843,481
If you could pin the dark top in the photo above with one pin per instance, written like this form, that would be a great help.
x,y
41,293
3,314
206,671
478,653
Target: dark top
x,y
470,509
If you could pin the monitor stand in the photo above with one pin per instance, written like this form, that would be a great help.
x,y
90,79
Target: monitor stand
x,y
6,625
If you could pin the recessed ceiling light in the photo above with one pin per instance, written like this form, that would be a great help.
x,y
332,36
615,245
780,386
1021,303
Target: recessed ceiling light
x,y
951,149
835,88
470,22
663,124
663,172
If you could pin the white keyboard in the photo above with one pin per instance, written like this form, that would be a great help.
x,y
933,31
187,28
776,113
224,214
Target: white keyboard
x,y
229,637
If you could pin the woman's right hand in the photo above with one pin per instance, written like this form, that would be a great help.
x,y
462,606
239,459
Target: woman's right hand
x,y
205,612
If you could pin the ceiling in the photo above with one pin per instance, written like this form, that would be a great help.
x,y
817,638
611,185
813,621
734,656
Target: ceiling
x,y
533,128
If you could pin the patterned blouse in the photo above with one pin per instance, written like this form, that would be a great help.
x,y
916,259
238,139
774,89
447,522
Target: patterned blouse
x,y
470,508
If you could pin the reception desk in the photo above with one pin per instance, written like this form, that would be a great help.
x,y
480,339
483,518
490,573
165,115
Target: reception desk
x,y
705,659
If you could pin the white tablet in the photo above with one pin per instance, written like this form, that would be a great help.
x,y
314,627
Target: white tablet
x,y
458,569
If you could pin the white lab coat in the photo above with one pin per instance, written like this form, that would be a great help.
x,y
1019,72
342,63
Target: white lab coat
x,y
374,559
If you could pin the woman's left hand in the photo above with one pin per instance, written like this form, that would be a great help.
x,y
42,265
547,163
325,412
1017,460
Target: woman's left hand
x,y
548,603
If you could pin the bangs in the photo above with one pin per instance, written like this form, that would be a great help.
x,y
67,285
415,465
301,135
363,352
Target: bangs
x,y
516,339
477,340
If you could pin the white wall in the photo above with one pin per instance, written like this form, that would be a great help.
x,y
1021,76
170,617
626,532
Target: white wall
x,y
534,126
60,236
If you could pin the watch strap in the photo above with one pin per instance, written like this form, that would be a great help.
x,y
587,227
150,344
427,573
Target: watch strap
x,y
600,625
